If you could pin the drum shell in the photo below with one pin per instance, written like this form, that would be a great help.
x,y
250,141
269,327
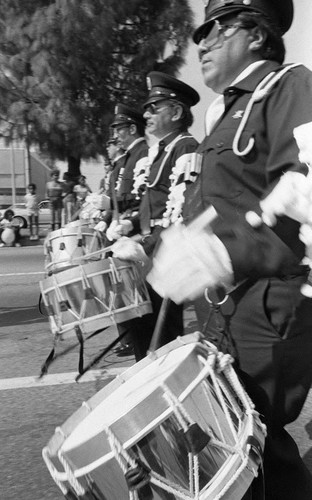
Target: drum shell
x,y
94,296
72,245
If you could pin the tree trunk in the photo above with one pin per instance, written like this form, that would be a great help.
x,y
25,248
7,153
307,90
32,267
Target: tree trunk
x,y
74,167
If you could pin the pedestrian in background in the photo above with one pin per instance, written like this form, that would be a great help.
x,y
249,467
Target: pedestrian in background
x,y
32,207
9,230
54,193
81,191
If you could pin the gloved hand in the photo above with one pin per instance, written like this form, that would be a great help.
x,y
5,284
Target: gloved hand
x,y
292,196
101,226
128,249
188,262
118,229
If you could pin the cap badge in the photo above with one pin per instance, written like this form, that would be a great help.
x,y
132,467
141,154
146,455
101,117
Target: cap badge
x,y
148,83
246,2
116,110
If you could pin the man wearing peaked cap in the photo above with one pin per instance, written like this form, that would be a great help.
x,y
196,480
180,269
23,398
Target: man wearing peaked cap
x,y
162,86
265,322
125,115
160,183
280,12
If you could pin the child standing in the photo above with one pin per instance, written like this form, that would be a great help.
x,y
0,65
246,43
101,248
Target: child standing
x,y
32,201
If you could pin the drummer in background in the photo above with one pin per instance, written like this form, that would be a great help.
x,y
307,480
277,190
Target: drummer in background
x,y
265,322
168,117
117,157
69,197
81,191
104,182
129,132
54,193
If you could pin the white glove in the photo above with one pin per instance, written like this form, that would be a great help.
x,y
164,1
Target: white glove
x,y
188,262
118,229
100,226
128,249
292,196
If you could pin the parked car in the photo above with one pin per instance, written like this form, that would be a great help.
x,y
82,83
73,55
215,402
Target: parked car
x,y
20,212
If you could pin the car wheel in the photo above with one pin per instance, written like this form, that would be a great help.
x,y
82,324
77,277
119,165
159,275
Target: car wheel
x,y
21,221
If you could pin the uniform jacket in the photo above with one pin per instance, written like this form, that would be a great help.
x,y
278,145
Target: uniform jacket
x,y
235,184
155,199
126,199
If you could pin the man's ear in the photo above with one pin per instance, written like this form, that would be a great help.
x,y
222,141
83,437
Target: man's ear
x,y
257,39
133,129
178,112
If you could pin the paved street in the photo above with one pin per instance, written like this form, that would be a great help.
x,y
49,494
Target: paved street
x,y
31,408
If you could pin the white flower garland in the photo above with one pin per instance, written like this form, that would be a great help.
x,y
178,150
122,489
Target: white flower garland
x,y
186,168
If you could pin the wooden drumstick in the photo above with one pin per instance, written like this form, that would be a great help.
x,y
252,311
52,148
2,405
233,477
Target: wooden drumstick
x,y
156,338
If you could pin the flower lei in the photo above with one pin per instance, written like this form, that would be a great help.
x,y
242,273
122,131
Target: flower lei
x,y
186,168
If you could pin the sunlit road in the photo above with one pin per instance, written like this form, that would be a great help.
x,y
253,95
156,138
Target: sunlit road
x,y
32,408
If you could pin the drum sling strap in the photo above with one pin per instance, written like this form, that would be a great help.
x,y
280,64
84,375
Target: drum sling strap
x,y
53,356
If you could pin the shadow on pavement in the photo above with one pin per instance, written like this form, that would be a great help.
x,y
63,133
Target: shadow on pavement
x,y
21,316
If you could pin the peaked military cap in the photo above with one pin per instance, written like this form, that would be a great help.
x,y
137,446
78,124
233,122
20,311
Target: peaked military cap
x,y
280,12
125,115
162,86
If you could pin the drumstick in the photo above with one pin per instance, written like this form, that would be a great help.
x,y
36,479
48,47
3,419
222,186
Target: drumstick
x,y
155,342
201,222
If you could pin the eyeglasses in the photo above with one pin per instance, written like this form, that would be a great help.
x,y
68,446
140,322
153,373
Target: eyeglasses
x,y
153,109
212,35
121,127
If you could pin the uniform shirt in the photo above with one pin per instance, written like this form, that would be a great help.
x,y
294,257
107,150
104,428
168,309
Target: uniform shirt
x,y
235,184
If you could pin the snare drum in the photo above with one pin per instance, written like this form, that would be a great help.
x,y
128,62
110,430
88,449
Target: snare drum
x,y
176,425
72,245
94,295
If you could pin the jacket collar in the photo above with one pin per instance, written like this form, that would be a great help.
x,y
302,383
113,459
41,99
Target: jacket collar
x,y
249,83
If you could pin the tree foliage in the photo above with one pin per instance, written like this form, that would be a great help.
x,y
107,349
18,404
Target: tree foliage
x,y
64,64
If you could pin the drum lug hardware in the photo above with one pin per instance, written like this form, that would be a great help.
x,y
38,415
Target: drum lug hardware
x,y
79,242
88,293
64,305
139,477
196,438
70,495
62,245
